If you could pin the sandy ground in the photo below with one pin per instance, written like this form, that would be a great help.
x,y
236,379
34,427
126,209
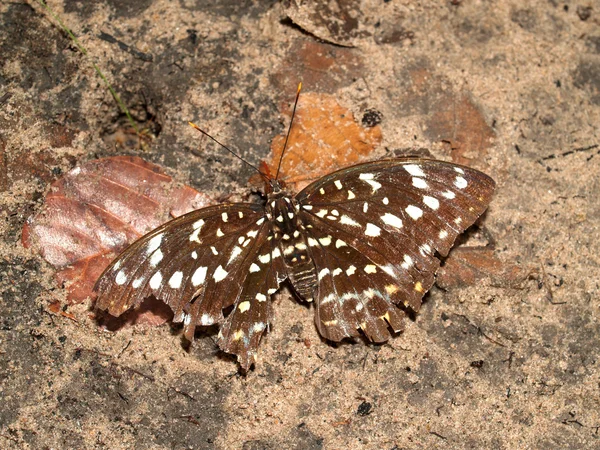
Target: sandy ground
x,y
505,362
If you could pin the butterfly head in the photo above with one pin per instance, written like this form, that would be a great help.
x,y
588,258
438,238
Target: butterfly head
x,y
275,187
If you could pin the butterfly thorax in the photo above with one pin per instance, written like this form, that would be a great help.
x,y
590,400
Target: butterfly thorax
x,y
288,232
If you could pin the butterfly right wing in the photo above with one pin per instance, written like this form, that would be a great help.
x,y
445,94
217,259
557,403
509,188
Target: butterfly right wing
x,y
373,230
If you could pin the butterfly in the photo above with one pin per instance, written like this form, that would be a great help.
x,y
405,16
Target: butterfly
x,y
359,243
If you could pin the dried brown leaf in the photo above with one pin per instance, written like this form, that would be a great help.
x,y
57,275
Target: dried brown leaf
x,y
465,266
99,208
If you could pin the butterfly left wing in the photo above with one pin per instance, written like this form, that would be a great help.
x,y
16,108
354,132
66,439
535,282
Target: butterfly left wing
x,y
200,264
373,232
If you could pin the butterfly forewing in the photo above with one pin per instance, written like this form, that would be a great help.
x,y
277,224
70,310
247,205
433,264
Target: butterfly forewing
x,y
196,263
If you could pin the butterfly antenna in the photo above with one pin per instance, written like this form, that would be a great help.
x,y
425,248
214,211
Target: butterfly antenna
x,y
193,125
289,130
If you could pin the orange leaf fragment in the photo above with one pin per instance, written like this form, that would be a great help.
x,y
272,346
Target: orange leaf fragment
x,y
324,137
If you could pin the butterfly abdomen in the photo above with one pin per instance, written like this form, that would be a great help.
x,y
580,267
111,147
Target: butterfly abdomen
x,y
289,231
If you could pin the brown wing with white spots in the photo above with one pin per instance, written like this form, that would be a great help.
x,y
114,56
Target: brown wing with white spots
x,y
377,226
198,264
251,313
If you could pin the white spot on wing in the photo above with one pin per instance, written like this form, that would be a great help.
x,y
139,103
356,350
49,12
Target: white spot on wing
x,y
389,269
432,202
372,230
350,270
137,283
175,280
415,170
254,268
339,243
369,178
327,298
307,207
199,276
312,242
414,212
121,278
194,255
460,182
206,320
443,234
154,243
449,195
345,220
264,258
261,297
374,184
220,233
156,257
408,262
220,274
338,184
336,272
322,213
459,170
323,272
155,281
370,268
419,183
234,254
244,306
224,217
392,220
325,241
351,195
197,226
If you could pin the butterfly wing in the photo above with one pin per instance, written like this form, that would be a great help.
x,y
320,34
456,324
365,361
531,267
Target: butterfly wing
x,y
200,264
373,232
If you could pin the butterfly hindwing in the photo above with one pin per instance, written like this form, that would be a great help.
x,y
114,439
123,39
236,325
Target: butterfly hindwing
x,y
251,314
353,293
